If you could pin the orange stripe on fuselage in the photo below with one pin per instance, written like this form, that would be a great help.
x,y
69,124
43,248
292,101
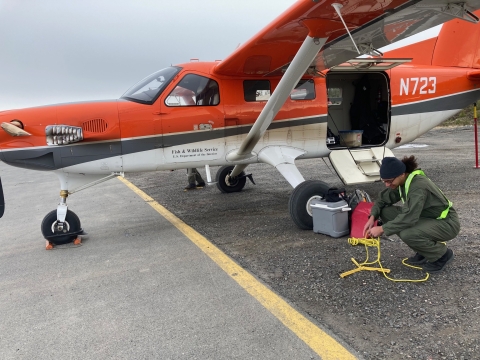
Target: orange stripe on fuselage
x,y
413,83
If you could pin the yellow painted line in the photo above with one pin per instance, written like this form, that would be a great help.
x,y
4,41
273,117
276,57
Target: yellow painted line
x,y
320,342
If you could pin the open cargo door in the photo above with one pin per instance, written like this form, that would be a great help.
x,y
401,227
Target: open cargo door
x,y
369,64
359,166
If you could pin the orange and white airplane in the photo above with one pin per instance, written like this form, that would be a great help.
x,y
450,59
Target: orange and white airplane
x,y
296,90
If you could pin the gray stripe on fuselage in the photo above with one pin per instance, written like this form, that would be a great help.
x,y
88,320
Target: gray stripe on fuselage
x,y
136,145
452,102
57,157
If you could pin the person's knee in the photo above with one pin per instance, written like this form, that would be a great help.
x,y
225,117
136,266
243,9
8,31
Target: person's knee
x,y
409,236
389,213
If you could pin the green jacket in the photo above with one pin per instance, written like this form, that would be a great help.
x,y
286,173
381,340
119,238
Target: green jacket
x,y
424,200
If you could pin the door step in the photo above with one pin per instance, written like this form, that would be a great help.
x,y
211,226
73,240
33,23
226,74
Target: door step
x,y
359,166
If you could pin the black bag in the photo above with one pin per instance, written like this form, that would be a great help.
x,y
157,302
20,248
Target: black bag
x,y
335,194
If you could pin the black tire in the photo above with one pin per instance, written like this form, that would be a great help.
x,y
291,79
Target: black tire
x,y
234,185
72,225
299,202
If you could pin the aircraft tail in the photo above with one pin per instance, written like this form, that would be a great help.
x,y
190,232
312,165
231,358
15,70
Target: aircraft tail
x,y
457,45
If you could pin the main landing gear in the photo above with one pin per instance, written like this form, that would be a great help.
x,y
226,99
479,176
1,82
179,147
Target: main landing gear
x,y
300,201
61,226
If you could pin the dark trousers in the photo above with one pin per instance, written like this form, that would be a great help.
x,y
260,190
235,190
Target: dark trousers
x,y
427,235
193,175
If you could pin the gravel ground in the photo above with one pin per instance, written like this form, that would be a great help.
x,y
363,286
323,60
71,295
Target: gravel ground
x,y
381,319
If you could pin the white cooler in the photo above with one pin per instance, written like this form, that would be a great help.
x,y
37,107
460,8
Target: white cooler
x,y
330,218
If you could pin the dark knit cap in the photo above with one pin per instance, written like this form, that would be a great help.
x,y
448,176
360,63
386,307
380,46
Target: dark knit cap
x,y
391,168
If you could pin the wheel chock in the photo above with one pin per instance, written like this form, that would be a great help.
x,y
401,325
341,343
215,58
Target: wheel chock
x,y
50,246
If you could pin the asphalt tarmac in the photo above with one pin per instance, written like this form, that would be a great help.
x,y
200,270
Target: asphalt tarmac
x,y
136,288
379,318
140,288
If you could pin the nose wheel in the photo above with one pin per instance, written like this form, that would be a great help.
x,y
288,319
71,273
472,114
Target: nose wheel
x,y
59,233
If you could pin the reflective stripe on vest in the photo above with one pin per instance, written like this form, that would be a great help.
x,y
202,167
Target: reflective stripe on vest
x,y
444,213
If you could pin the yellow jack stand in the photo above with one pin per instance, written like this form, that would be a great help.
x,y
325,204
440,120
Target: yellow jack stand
x,y
361,266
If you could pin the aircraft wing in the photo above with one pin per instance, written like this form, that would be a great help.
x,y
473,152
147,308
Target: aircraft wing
x,y
372,24
312,36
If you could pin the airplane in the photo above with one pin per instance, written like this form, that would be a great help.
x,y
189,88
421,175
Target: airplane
x,y
311,84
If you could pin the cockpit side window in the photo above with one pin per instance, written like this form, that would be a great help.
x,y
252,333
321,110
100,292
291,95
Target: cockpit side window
x,y
305,90
194,90
256,90
149,89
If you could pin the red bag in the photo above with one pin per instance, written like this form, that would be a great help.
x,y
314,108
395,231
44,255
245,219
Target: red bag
x,y
359,219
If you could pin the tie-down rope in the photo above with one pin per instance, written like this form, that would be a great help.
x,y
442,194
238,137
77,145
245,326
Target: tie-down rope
x,y
361,266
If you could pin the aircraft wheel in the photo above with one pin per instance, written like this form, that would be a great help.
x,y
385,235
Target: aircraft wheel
x,y
50,227
229,185
300,200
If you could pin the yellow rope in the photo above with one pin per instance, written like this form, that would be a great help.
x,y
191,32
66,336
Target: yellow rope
x,y
361,266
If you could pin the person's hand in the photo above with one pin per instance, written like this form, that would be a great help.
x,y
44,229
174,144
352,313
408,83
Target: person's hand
x,y
375,232
368,225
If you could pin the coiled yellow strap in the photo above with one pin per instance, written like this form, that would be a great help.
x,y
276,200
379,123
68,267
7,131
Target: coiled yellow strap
x,y
361,266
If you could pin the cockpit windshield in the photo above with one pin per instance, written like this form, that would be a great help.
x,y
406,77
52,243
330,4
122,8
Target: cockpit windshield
x,y
149,89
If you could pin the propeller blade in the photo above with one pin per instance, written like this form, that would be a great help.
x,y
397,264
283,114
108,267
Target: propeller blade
x,y
2,200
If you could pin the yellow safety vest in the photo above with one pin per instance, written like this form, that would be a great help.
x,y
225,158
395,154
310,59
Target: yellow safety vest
x,y
444,213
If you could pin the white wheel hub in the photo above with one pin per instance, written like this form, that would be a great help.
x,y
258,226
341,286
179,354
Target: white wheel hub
x,y
66,227
309,203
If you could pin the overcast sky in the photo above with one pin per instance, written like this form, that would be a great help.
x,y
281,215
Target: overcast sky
x,y
54,51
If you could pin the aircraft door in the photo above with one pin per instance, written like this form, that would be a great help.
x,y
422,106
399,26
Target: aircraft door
x,y
359,102
192,121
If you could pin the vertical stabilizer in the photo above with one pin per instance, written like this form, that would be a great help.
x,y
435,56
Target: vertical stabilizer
x,y
458,45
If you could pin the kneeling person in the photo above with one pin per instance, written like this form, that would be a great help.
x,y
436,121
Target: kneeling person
x,y
424,222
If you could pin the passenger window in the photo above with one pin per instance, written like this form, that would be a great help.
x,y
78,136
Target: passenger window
x,y
256,90
305,90
194,90
334,96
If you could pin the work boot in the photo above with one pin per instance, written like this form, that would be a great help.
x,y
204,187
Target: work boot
x,y
438,265
417,259
201,184
190,187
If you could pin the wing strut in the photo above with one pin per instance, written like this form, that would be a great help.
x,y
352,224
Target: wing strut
x,y
337,8
302,60
366,49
